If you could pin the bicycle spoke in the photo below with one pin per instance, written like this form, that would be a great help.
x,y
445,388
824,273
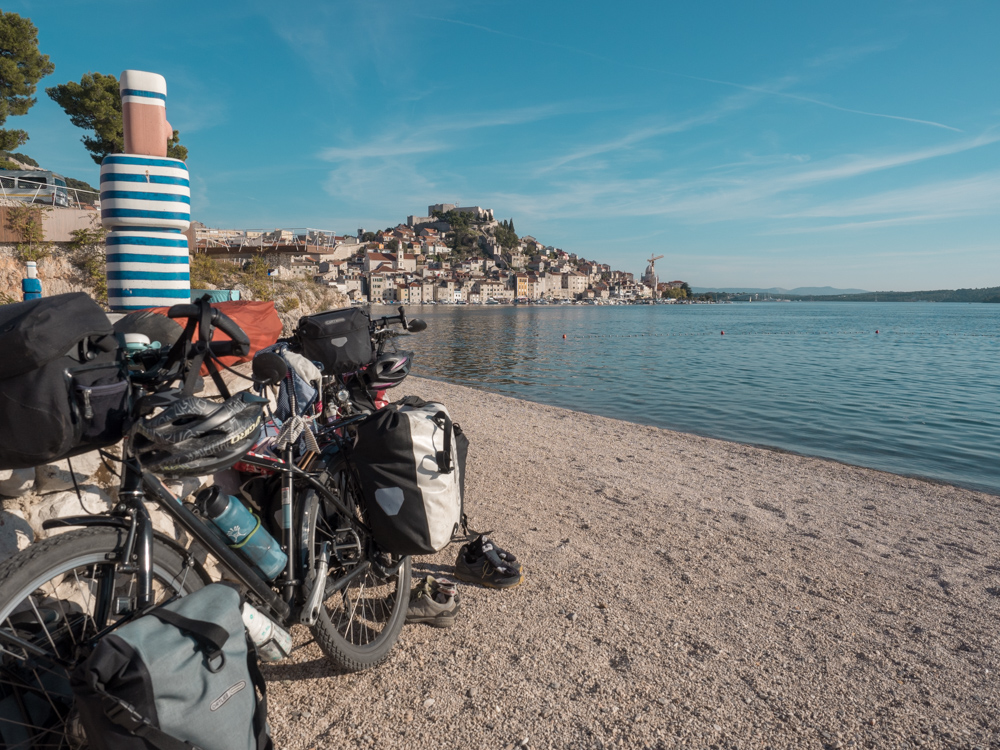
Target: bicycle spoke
x,y
44,627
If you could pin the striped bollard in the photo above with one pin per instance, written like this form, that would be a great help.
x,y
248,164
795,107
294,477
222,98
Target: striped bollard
x,y
146,203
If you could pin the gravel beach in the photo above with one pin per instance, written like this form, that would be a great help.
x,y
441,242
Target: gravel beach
x,y
680,592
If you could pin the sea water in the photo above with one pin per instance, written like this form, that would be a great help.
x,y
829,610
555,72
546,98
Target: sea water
x,y
910,388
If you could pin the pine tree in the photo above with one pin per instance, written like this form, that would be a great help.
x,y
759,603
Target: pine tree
x,y
22,66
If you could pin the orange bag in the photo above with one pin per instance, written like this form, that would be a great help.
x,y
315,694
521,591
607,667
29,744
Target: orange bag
x,y
259,320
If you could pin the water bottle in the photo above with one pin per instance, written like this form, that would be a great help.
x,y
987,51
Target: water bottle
x,y
244,531
31,286
273,642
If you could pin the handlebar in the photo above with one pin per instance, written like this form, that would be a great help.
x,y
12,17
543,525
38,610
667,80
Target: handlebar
x,y
239,346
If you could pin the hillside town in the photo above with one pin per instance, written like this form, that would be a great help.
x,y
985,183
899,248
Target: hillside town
x,y
424,261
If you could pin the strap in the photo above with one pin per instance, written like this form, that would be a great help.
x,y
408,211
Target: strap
x,y
125,715
444,457
213,370
210,637
261,730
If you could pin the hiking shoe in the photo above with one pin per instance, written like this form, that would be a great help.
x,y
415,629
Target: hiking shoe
x,y
479,561
429,605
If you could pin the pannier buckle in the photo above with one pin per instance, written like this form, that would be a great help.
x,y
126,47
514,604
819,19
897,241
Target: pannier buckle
x,y
443,462
124,715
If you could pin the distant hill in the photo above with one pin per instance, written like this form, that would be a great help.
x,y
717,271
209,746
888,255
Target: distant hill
x,y
987,294
802,291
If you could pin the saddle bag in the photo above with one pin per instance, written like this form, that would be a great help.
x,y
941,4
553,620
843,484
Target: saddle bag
x,y
64,387
181,677
410,465
340,340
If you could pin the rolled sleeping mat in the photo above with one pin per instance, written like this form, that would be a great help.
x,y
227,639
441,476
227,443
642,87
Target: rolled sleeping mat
x,y
145,191
147,268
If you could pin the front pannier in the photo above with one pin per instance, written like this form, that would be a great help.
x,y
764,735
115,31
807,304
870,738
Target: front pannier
x,y
340,340
64,387
183,676
408,464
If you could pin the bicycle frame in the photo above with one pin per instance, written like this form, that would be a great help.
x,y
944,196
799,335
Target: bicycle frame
x,y
131,515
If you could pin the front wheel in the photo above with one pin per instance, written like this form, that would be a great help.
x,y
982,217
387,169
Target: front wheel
x,y
54,597
359,623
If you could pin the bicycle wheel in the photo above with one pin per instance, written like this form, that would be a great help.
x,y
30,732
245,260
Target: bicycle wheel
x,y
359,623
54,596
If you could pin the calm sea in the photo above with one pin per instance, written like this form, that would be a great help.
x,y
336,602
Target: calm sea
x,y
919,397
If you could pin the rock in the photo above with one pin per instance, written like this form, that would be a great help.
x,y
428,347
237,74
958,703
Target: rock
x,y
16,482
184,486
55,477
61,504
15,533
428,703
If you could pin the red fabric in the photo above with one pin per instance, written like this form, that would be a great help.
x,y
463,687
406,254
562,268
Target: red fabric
x,y
259,320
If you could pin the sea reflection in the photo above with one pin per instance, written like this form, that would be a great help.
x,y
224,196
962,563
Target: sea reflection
x,y
918,397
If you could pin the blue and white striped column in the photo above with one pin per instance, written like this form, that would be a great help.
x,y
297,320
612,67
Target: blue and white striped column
x,y
147,268
146,202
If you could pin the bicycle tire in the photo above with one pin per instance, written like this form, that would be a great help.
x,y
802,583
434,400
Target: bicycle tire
x,y
365,638
48,597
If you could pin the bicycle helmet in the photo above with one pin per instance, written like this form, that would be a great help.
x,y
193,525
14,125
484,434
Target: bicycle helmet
x,y
194,436
389,370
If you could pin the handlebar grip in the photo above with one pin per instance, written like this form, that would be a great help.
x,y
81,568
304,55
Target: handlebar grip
x,y
183,311
229,327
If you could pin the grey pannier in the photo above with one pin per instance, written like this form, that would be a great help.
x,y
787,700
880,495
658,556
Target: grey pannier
x,y
182,676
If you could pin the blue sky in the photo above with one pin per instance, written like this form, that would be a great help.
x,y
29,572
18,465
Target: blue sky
x,y
852,144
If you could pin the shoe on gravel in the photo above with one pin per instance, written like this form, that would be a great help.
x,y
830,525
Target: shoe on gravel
x,y
431,605
480,561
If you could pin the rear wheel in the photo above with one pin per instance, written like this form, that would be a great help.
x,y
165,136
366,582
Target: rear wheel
x,y
360,622
54,597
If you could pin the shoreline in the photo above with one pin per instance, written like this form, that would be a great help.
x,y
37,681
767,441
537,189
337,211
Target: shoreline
x,y
681,591
762,446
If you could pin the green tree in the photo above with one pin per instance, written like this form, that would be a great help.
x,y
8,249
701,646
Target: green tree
x,y
686,289
22,66
95,104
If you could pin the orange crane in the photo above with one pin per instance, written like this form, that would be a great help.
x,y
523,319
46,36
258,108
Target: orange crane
x,y
652,262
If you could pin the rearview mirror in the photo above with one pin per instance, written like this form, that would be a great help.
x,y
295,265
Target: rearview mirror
x,y
415,325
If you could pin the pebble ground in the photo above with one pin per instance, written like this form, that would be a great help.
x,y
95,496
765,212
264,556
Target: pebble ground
x,y
681,592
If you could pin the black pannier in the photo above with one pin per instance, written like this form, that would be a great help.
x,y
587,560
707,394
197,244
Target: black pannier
x,y
64,386
340,340
410,463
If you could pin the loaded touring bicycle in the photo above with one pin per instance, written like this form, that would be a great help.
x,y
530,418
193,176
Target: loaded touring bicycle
x,y
319,566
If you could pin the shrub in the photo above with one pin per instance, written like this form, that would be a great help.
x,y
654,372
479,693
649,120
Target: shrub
x,y
26,222
87,255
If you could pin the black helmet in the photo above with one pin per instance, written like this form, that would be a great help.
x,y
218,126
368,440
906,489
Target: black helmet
x,y
389,370
193,436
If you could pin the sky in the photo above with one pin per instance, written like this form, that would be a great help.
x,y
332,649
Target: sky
x,y
849,144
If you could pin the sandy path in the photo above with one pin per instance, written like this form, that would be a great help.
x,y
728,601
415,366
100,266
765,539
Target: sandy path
x,y
682,591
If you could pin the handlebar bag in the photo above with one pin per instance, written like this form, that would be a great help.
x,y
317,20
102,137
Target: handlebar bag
x,y
409,469
64,386
340,340
180,677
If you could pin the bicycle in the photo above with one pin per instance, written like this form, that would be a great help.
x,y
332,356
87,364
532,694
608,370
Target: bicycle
x,y
62,594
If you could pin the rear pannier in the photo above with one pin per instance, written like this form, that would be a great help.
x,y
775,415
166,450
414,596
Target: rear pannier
x,y
408,463
340,340
64,387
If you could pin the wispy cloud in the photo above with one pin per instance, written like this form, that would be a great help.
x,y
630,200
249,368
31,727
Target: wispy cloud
x,y
439,133
835,55
781,193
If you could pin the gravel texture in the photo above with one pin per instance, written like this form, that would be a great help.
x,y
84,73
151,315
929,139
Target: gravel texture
x,y
681,592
